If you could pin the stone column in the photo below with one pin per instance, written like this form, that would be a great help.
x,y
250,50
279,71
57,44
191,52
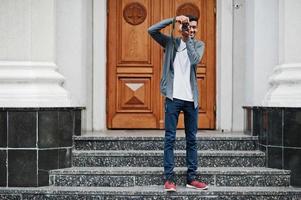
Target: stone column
x,y
285,82
29,75
224,64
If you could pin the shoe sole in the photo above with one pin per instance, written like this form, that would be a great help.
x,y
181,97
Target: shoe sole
x,y
193,187
170,190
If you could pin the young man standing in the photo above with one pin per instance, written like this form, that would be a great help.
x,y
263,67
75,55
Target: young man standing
x,y
179,86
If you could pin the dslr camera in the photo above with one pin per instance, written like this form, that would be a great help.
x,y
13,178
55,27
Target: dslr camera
x,y
185,27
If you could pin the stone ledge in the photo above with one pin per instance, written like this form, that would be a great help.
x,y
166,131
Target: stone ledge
x,y
138,176
153,192
155,158
159,170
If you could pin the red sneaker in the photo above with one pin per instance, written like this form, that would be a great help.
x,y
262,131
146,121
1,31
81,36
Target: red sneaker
x,y
197,185
170,186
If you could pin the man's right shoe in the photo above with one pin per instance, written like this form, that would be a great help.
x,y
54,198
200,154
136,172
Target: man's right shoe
x,y
170,186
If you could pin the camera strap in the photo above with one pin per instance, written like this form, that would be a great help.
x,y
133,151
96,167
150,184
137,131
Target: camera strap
x,y
172,32
173,28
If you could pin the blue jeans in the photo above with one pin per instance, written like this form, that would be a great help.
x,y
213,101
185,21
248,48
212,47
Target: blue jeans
x,y
172,111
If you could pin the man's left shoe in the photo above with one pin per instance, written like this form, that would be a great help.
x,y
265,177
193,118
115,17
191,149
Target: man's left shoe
x,y
197,185
170,186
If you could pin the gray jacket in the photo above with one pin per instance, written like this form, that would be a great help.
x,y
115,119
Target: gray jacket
x,y
195,50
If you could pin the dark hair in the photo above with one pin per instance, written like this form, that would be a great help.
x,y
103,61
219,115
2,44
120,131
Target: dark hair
x,y
192,18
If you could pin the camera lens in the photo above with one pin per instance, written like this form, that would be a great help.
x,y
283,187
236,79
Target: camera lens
x,y
185,27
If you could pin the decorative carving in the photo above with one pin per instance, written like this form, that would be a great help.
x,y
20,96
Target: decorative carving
x,y
135,94
134,86
134,13
188,9
133,46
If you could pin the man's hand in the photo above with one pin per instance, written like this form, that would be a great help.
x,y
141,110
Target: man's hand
x,y
182,19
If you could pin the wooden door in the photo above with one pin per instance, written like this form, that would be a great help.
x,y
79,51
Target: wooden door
x,y
135,62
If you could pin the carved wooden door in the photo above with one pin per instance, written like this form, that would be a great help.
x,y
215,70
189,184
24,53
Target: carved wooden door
x,y
135,62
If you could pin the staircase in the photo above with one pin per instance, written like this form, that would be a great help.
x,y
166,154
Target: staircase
x,y
116,166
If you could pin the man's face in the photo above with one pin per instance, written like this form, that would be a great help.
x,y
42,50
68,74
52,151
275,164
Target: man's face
x,y
193,28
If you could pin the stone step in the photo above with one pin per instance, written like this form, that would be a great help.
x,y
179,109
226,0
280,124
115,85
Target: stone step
x,y
150,193
140,176
205,142
133,158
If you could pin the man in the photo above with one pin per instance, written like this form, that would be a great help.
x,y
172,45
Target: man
x,y
179,86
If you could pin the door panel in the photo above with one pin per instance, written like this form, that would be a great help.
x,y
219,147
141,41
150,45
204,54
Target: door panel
x,y
135,62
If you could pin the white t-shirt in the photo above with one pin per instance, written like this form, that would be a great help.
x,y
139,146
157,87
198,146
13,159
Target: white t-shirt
x,y
182,87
